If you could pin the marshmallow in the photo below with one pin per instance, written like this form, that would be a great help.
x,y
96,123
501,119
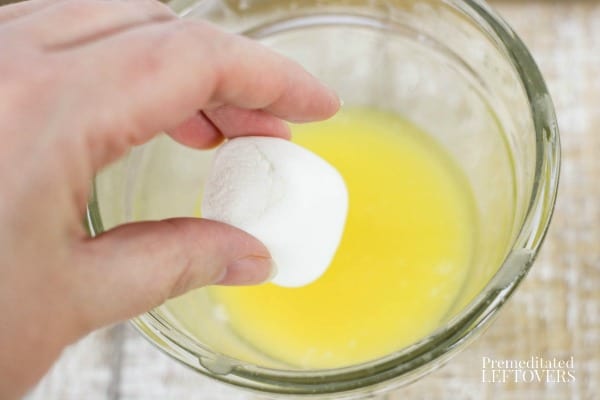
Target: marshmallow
x,y
284,195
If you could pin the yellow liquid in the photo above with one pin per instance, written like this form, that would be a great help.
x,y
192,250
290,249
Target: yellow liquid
x,y
403,258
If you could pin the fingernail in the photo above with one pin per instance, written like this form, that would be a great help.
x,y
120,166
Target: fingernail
x,y
249,271
335,95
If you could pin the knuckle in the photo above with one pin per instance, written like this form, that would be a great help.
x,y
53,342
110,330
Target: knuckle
x,y
199,31
193,37
152,7
156,57
82,9
187,274
78,8
182,279
214,50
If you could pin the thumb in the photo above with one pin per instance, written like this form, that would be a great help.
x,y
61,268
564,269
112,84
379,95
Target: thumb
x,y
138,266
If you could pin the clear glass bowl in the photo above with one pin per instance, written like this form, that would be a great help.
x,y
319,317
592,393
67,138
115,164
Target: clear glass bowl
x,y
455,69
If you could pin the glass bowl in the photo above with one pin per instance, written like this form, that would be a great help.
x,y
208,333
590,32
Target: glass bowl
x,y
453,68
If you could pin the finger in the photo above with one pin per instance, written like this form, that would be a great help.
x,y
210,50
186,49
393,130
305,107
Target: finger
x,y
171,70
23,8
198,132
209,128
235,121
76,22
136,267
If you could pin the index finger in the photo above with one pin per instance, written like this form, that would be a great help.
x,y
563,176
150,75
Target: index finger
x,y
157,76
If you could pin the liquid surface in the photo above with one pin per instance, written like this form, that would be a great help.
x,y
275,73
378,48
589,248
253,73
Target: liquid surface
x,y
403,259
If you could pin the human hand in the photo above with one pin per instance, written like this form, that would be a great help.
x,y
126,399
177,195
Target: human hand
x,y
82,81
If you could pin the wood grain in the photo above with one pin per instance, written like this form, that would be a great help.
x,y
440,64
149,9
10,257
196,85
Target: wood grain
x,y
555,313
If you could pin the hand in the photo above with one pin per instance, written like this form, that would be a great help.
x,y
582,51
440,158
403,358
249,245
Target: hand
x,y
81,81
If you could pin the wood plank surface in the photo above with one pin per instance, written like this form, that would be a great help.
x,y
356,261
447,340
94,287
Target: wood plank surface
x,y
555,313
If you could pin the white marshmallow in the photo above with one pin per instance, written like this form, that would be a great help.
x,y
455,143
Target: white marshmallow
x,y
286,196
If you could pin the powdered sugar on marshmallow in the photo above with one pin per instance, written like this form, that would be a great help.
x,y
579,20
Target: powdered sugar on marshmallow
x,y
284,195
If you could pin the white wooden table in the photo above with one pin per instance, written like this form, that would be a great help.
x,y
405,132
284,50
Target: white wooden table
x,y
555,313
